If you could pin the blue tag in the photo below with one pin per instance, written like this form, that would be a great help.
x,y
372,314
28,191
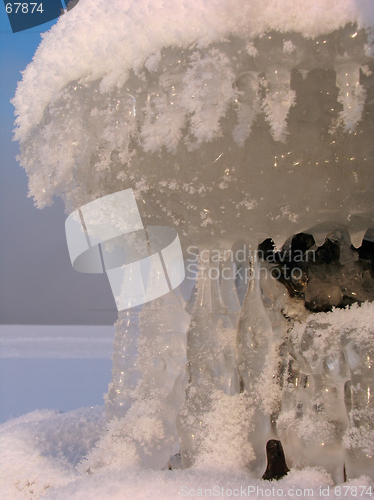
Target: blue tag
x,y
28,14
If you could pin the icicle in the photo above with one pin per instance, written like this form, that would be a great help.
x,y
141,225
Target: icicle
x,y
319,234
279,98
347,255
349,61
126,372
359,439
225,330
319,417
296,396
211,361
248,105
242,272
228,290
357,237
352,94
276,58
162,359
274,297
254,337
202,342
148,386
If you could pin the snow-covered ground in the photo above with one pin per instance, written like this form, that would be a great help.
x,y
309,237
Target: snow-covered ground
x,y
43,452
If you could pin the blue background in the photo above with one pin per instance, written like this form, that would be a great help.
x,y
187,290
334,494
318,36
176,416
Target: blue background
x,y
37,282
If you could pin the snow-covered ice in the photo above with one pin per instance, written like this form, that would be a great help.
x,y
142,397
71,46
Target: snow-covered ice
x,y
233,121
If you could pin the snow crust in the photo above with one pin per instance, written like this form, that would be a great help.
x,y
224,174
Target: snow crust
x,y
104,40
40,452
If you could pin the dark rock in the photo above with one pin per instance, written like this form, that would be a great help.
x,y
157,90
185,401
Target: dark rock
x,y
276,467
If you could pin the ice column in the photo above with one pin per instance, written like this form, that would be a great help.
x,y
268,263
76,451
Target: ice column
x,y
149,379
359,438
126,372
313,401
254,338
211,359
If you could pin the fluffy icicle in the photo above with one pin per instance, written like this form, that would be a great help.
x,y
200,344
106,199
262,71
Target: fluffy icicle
x,y
279,98
277,57
349,63
248,104
352,94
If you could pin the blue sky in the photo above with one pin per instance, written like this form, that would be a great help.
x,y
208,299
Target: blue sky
x,y
37,282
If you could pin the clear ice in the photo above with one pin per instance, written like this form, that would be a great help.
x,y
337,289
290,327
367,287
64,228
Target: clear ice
x,y
234,123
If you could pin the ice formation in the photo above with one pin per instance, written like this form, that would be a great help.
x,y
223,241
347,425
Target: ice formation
x,y
235,122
